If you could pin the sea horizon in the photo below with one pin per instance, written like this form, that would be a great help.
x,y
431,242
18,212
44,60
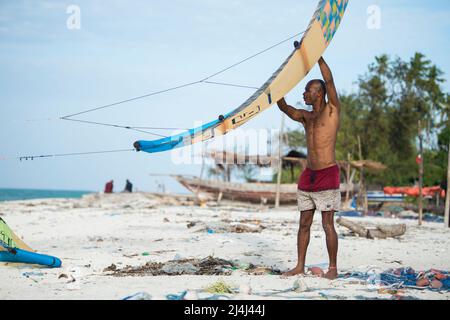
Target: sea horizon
x,y
17,194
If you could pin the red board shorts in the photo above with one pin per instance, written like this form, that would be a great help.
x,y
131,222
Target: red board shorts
x,y
319,189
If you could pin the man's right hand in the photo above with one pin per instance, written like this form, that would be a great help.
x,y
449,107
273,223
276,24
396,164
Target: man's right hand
x,y
281,103
294,114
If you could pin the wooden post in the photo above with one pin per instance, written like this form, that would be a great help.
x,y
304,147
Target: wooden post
x,y
280,168
202,170
362,197
361,177
447,194
347,191
420,175
201,174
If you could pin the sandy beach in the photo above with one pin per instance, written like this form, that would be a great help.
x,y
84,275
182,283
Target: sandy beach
x,y
102,238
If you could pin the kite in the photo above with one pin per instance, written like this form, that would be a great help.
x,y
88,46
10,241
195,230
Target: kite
x,y
307,52
14,250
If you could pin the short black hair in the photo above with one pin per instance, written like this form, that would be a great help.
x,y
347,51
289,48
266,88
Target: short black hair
x,y
322,85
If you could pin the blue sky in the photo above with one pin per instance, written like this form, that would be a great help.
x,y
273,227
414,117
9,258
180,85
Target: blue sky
x,y
129,48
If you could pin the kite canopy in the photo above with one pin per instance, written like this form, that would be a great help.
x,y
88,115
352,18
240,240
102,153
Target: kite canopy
x,y
315,40
13,249
10,239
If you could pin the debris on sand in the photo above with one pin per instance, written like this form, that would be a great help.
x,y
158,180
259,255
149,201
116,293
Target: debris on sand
x,y
244,221
220,287
407,278
231,228
139,296
242,228
261,270
112,267
380,231
191,224
176,268
206,266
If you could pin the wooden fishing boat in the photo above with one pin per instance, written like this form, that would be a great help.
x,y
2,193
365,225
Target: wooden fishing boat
x,y
259,192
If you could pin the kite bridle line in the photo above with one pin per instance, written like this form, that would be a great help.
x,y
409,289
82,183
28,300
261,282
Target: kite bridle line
x,y
144,129
64,154
202,81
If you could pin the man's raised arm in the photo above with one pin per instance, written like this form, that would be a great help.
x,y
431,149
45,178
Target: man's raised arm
x,y
329,82
294,114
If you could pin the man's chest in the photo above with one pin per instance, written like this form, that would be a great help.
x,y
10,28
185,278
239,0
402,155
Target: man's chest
x,y
324,124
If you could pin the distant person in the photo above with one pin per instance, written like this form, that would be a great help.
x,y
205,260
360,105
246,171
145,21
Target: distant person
x,y
443,185
128,186
109,186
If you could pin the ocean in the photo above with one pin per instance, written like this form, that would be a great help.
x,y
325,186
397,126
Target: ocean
x,y
27,194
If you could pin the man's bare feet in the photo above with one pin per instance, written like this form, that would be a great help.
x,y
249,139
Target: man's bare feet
x,y
331,274
293,272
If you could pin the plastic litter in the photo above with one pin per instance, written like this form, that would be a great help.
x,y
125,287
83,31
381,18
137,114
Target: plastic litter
x,y
139,296
29,274
404,278
191,295
176,297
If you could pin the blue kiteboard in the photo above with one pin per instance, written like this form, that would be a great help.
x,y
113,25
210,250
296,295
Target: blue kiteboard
x,y
22,256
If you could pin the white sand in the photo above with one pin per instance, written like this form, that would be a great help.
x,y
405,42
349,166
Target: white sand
x,y
92,233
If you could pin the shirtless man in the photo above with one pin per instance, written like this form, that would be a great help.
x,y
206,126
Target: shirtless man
x,y
318,185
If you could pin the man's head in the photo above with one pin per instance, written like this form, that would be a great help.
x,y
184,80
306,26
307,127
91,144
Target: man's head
x,y
315,91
